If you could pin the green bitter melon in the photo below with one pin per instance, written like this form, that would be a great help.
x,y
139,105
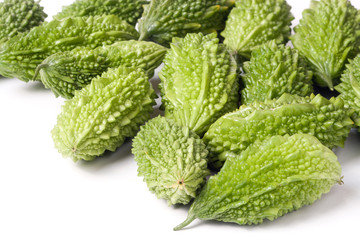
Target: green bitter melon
x,y
20,56
65,72
172,160
274,70
252,23
101,115
269,179
198,81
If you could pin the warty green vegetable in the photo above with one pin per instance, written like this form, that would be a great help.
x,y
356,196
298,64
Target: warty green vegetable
x,y
18,16
66,72
325,36
274,70
127,10
198,81
252,23
328,120
172,160
101,115
164,19
269,179
20,55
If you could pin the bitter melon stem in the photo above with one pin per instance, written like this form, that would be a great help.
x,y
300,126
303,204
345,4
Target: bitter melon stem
x,y
38,68
188,220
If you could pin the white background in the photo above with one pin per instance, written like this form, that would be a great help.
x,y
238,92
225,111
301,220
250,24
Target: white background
x,y
44,196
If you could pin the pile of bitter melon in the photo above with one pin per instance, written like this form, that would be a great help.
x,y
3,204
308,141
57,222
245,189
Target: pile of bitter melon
x,y
238,102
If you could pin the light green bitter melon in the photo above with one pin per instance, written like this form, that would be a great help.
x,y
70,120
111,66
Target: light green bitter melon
x,y
104,113
17,16
269,179
198,81
273,70
172,160
164,19
65,72
328,120
252,23
325,36
20,56
127,10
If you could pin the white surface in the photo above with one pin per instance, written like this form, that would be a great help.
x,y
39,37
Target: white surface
x,y
43,196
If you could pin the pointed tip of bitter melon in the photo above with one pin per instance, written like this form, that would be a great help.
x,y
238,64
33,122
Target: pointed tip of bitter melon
x,y
188,220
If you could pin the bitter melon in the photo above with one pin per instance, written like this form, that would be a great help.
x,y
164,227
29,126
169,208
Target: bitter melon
x,y
101,115
328,120
325,36
20,56
17,16
65,72
252,23
198,81
172,160
164,19
269,179
274,70
127,10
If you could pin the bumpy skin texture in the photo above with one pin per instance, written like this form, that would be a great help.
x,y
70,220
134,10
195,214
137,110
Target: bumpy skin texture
x,y
172,160
325,36
254,22
274,70
66,72
127,10
198,81
20,55
164,19
266,181
327,120
18,16
349,88
104,113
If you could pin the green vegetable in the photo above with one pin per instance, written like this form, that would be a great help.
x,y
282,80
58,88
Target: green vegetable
x,y
198,81
18,16
274,70
172,160
254,22
65,72
327,120
127,10
20,55
164,19
326,35
266,181
101,115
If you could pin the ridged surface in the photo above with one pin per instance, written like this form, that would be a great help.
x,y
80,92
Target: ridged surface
x,y
65,72
104,113
266,181
274,70
327,120
198,81
252,23
172,160
20,56
325,36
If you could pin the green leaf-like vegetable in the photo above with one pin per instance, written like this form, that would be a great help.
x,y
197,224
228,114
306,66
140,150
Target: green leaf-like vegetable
x,y
327,33
18,16
65,72
172,160
20,55
101,115
327,120
164,19
252,23
266,181
198,81
274,70
127,10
